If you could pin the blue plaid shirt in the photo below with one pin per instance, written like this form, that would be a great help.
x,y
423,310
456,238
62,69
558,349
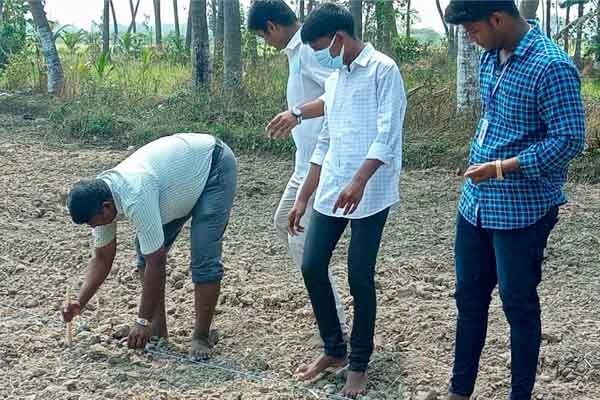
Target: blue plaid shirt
x,y
537,115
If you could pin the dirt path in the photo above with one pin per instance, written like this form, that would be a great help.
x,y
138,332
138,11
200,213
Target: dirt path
x,y
265,325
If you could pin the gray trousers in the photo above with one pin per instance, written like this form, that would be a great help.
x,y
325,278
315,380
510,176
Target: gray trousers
x,y
209,219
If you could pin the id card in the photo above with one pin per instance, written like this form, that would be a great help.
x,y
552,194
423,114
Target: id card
x,y
482,130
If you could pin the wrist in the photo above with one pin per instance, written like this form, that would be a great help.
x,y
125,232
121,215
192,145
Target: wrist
x,y
298,114
143,322
360,179
499,170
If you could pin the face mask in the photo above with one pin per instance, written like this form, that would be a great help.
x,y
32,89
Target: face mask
x,y
327,60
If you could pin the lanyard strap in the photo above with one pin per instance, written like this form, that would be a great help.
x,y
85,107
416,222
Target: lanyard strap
x,y
495,89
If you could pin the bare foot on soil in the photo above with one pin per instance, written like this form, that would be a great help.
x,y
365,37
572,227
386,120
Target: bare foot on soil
x,y
203,346
356,384
310,371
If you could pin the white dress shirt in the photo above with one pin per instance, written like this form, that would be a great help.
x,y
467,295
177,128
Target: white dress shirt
x,y
160,182
364,113
306,82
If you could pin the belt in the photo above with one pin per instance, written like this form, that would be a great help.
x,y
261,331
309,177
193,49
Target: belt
x,y
217,151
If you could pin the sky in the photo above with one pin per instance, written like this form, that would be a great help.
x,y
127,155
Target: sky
x,y
81,13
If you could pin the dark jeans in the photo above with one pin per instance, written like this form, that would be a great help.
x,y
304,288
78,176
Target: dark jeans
x,y
513,260
322,237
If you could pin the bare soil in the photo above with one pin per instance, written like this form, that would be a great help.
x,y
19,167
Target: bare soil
x,y
265,325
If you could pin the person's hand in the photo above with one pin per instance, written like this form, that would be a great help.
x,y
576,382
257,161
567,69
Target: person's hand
x,y
294,217
139,336
281,126
71,310
350,197
481,172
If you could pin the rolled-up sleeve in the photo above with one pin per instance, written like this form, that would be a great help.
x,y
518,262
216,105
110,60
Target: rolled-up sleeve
x,y
104,234
391,105
322,144
561,109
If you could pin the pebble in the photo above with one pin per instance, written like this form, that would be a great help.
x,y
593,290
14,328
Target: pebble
x,y
71,385
431,395
330,389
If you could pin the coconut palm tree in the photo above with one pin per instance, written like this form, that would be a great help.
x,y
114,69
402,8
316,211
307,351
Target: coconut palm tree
x,y
56,77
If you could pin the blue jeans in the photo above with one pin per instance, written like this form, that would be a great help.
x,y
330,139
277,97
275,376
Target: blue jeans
x,y
513,260
209,216
322,237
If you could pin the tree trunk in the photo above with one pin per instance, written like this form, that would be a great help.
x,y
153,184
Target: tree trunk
x,y
157,23
115,25
310,6
1,9
449,31
188,29
106,27
467,79
232,44
200,46
213,17
357,14
220,31
528,8
252,46
56,78
134,10
386,25
176,16
408,18
549,18
301,10
578,40
566,35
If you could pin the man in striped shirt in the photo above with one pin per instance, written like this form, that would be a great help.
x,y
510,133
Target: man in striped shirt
x,y
158,189
532,125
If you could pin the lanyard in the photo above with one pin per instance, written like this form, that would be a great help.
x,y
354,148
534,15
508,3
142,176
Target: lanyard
x,y
490,98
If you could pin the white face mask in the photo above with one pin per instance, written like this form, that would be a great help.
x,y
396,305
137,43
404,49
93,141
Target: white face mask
x,y
327,60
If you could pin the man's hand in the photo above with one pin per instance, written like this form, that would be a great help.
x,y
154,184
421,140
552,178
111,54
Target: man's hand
x,y
71,310
139,336
281,126
481,172
350,197
294,217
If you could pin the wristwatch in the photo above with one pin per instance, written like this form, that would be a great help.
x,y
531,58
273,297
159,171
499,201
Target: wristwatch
x,y
296,112
143,322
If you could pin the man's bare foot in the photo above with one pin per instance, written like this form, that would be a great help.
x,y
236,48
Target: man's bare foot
x,y
203,346
356,384
310,371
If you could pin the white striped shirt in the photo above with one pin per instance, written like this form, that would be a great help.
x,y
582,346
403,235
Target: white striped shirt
x,y
306,82
364,115
160,182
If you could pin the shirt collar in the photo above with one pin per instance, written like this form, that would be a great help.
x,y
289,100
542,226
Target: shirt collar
x,y
529,38
365,55
115,196
294,42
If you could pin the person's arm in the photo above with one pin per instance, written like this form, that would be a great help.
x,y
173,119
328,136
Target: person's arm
x,y
145,216
387,146
561,109
98,269
311,182
281,126
154,282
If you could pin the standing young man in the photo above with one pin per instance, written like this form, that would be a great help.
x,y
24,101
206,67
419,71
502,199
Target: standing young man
x,y
355,171
276,23
531,127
